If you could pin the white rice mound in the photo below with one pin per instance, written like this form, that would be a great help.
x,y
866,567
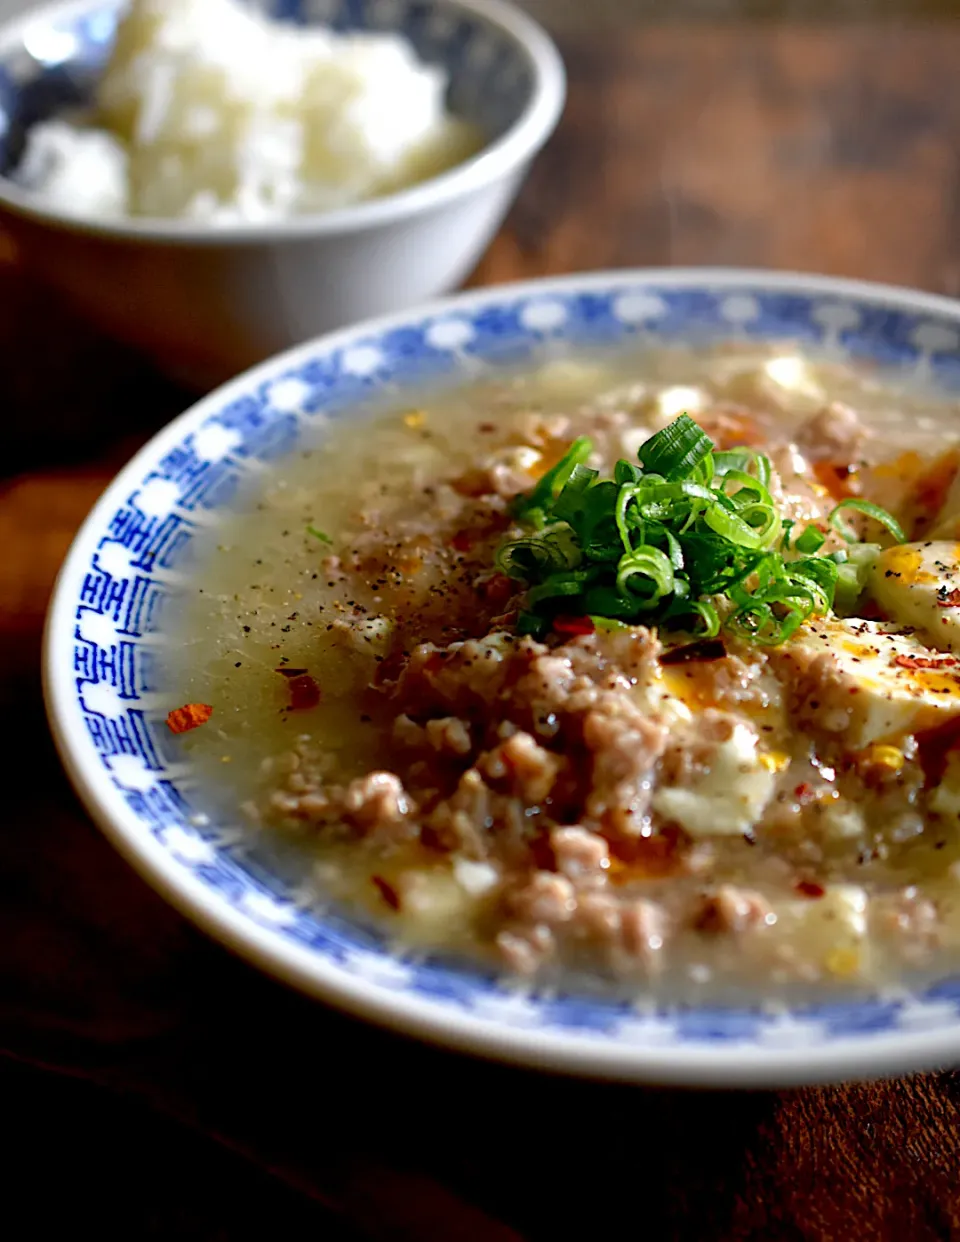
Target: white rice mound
x,y
210,111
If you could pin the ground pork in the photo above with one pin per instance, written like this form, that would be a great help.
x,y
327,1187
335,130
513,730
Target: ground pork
x,y
731,909
574,707
530,756
580,855
834,434
795,496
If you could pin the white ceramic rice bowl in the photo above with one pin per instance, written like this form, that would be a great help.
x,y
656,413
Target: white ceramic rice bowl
x,y
207,301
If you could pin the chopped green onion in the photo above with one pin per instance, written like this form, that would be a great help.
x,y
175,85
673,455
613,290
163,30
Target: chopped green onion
x,y
551,484
319,534
852,575
568,502
558,586
743,460
735,529
526,559
701,609
665,542
647,574
675,550
680,451
871,510
821,573
529,623
812,540
626,472
609,601
608,623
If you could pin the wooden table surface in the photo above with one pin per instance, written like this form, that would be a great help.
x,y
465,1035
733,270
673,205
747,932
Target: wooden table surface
x,y
157,1088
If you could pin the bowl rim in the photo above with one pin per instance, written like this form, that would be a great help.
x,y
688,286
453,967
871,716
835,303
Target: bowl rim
x,y
496,160
555,1051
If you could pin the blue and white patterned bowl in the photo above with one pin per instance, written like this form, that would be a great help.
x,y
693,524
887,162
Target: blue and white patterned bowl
x,y
207,301
105,628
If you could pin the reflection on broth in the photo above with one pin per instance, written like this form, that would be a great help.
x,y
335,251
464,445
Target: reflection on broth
x,y
555,786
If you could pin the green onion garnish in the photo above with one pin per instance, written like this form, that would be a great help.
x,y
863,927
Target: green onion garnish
x,y
544,496
319,534
686,537
871,510
810,541
852,574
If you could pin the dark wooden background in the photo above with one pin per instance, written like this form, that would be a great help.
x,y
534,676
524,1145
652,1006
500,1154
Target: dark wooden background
x,y
152,1086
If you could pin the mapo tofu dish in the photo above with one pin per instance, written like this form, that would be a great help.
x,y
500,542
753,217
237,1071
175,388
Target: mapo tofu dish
x,y
638,672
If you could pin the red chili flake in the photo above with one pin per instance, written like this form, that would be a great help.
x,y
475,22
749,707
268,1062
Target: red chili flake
x,y
573,625
190,716
387,892
463,541
804,792
934,747
950,600
906,661
304,692
809,888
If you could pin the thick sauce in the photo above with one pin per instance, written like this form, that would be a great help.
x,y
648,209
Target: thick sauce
x,y
604,805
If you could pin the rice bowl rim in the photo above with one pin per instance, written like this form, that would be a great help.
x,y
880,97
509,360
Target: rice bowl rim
x,y
494,162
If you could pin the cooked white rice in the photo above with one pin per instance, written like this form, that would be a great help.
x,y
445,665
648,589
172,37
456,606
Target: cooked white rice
x,y
210,111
